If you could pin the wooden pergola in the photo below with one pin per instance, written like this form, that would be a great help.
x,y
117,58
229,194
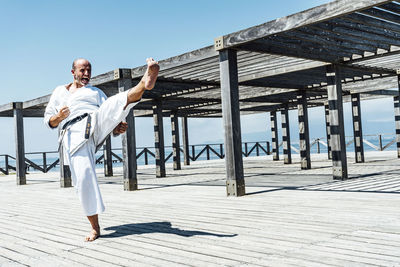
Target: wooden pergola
x,y
340,51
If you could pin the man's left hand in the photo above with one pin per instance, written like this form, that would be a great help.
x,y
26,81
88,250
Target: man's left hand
x,y
121,128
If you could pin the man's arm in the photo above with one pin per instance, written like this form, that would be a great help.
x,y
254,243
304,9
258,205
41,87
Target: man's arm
x,y
59,117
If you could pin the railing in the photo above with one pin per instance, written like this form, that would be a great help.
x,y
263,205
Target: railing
x,y
379,147
197,152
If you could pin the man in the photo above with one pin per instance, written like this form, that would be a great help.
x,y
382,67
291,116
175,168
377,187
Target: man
x,y
85,117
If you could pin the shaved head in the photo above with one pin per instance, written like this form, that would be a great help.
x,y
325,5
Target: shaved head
x,y
80,60
82,71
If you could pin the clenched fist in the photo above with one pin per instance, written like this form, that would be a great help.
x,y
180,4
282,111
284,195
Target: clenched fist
x,y
63,113
59,117
121,128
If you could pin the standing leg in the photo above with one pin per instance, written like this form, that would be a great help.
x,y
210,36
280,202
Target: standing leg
x,y
82,165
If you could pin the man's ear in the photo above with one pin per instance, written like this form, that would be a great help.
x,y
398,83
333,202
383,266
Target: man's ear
x,y
73,72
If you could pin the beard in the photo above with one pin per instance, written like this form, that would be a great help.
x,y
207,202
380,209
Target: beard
x,y
81,81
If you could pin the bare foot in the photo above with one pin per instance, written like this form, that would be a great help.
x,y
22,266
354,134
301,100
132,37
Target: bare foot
x,y
94,234
151,74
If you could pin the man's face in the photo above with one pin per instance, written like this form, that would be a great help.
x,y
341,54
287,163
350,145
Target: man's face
x,y
82,72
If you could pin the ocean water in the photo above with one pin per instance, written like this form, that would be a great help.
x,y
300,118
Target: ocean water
x,y
200,151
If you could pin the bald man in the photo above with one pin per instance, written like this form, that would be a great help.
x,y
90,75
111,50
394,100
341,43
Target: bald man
x,y
85,118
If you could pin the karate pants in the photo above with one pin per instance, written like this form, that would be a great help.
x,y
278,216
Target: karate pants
x,y
82,161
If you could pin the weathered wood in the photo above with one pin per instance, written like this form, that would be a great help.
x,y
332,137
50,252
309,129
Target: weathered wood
x,y
357,128
159,139
185,140
274,135
128,141
361,35
173,62
332,45
397,116
103,78
175,141
340,40
235,184
289,49
287,151
301,19
328,131
304,133
40,101
19,143
378,13
336,121
108,164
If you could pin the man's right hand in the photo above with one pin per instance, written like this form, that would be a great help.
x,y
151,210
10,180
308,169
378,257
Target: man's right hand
x,y
62,114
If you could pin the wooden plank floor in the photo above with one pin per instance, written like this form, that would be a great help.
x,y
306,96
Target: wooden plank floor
x,y
290,217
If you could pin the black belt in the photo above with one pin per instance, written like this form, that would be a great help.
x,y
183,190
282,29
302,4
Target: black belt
x,y
74,120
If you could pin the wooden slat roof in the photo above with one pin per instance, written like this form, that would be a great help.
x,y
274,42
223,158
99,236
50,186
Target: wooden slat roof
x,y
276,60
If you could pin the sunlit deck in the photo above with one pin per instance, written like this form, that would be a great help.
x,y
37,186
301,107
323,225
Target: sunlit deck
x,y
288,217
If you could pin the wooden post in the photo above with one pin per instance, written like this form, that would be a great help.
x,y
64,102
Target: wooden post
x,y
19,143
146,157
185,141
274,134
357,128
44,162
128,138
396,101
107,156
6,162
235,185
336,121
305,159
159,139
175,140
287,152
328,130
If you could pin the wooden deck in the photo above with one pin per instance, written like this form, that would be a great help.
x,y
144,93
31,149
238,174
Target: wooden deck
x,y
288,217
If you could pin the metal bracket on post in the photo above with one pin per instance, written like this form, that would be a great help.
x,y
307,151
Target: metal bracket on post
x,y
398,71
219,43
122,73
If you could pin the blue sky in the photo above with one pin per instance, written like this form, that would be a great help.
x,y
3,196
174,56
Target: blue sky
x,y
41,38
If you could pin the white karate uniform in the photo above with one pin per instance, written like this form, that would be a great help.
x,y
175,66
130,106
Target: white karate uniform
x,y
79,152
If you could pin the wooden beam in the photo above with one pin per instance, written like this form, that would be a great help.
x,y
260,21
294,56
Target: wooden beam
x,y
328,130
301,19
128,141
397,116
159,139
338,142
175,141
304,133
357,128
235,185
274,136
185,140
287,151
178,61
19,143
